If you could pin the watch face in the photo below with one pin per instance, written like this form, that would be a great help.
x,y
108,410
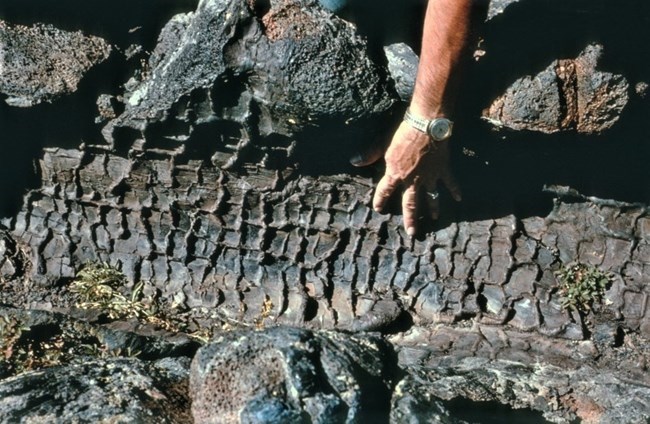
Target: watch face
x,y
440,129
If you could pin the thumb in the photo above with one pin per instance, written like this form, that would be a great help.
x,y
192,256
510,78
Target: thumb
x,y
369,156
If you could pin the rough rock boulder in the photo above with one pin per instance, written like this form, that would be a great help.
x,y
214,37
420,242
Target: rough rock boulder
x,y
39,63
568,95
290,375
284,64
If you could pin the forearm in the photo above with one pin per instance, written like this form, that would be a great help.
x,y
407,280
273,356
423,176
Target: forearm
x,y
446,30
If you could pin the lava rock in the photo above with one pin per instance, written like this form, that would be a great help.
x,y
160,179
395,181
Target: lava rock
x,y
290,375
41,63
570,94
294,61
91,390
464,387
118,337
403,67
413,405
497,7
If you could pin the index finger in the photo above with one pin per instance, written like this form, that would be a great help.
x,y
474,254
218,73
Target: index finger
x,y
385,188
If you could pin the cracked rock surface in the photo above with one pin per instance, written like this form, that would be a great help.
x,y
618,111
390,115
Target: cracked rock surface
x,y
116,389
315,250
289,59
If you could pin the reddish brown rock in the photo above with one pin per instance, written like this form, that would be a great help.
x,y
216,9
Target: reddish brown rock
x,y
40,62
570,94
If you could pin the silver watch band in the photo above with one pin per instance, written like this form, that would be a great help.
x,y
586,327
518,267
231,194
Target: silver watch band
x,y
419,124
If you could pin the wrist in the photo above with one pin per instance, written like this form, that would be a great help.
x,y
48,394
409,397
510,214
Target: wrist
x,y
427,111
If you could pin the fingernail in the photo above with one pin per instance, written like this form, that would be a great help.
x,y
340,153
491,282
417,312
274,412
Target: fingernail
x,y
356,159
410,231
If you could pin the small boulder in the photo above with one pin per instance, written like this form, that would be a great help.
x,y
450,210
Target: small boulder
x,y
40,63
287,375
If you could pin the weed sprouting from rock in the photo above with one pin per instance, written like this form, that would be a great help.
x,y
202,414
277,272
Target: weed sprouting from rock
x,y
100,286
581,286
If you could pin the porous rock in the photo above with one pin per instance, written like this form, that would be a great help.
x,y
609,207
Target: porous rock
x,y
290,375
40,63
570,94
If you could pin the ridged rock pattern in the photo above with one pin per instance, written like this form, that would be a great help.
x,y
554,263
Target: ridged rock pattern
x,y
311,252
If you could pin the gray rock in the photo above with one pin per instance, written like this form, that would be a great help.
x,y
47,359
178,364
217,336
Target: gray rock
x,y
282,253
526,316
560,395
99,390
403,67
497,7
411,404
106,106
284,374
40,63
67,338
495,298
570,94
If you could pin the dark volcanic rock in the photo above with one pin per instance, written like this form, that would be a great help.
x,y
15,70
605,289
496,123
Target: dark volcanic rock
x,y
309,252
13,259
287,66
99,390
290,375
40,63
199,197
66,338
568,95
559,394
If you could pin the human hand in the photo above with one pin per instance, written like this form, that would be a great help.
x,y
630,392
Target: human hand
x,y
412,161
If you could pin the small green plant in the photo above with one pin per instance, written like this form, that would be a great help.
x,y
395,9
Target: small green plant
x,y
98,286
101,287
581,286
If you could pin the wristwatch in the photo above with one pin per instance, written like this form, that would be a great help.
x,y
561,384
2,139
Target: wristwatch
x,y
438,129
